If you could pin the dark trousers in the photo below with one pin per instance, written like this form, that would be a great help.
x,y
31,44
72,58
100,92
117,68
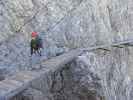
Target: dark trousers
x,y
35,51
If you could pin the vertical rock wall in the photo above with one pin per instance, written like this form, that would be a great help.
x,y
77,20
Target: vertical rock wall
x,y
107,71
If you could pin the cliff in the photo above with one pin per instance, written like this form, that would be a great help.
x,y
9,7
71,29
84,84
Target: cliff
x,y
67,24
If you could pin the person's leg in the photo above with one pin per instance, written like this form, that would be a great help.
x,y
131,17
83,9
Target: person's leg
x,y
31,51
39,51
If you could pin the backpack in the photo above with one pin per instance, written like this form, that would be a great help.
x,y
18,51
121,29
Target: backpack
x,y
39,42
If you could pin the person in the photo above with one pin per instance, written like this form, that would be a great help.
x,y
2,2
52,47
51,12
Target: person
x,y
36,44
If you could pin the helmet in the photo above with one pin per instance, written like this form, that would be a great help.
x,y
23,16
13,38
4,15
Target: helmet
x,y
34,34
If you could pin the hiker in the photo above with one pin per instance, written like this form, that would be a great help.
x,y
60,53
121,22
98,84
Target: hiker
x,y
36,44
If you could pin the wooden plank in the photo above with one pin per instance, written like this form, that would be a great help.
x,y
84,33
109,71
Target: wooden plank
x,y
127,42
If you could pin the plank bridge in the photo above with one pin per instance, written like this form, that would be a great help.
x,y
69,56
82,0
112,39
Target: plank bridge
x,y
17,83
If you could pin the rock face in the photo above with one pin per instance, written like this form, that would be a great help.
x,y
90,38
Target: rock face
x,y
106,73
68,24
71,24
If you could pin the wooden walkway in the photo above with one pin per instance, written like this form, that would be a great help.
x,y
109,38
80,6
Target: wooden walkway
x,y
22,80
